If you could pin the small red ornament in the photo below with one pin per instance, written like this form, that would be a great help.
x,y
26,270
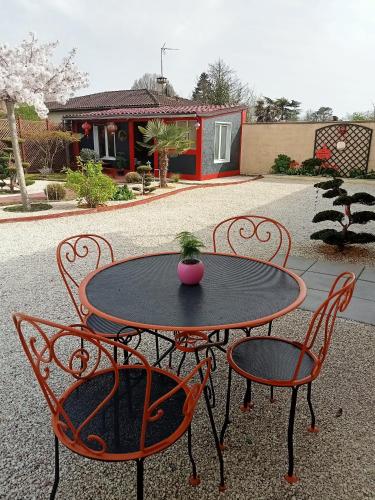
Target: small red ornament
x,y
86,128
323,153
112,128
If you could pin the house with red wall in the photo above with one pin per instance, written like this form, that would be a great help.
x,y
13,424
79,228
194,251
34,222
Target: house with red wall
x,y
109,123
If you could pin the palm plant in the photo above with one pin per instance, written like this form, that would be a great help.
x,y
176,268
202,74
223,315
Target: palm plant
x,y
167,140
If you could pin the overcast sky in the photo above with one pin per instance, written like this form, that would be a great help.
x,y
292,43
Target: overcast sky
x,y
319,52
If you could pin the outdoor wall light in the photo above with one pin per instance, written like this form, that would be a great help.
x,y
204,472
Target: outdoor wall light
x,y
340,145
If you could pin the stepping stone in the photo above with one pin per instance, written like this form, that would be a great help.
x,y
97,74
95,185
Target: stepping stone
x,y
313,300
296,271
360,310
368,274
365,290
335,268
295,262
318,281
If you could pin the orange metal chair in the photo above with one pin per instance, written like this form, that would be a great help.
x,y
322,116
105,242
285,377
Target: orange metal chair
x,y
105,410
95,251
265,230
271,233
279,362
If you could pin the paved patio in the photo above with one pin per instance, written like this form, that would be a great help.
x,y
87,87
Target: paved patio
x,y
319,275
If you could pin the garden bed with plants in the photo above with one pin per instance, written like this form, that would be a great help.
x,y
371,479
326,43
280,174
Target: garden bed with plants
x,y
311,167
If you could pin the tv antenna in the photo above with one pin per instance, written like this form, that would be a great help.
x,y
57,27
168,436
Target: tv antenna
x,y
162,79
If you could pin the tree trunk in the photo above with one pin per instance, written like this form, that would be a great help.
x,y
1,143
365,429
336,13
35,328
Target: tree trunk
x,y
17,154
164,160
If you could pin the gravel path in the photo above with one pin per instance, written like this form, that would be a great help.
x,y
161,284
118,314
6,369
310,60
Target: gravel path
x,y
337,463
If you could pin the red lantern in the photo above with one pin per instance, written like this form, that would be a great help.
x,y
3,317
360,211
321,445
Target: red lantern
x,y
323,153
86,128
112,128
343,130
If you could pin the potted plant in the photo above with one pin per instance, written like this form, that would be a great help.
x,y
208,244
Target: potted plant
x,y
190,269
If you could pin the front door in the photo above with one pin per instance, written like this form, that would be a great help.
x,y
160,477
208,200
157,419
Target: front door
x,y
141,155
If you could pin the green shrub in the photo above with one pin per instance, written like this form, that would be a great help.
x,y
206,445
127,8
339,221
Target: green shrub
x,y
29,182
87,154
55,191
123,193
90,184
121,161
311,166
133,177
281,164
175,178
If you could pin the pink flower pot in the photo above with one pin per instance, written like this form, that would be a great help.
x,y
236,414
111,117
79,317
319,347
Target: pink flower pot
x,y
190,274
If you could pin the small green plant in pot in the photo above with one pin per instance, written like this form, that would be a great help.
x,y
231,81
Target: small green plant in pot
x,y
190,269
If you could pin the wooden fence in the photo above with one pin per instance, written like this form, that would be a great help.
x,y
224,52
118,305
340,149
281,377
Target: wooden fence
x,y
29,151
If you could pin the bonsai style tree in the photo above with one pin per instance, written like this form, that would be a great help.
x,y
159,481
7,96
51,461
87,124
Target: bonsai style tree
x,y
167,140
146,179
190,247
344,237
28,75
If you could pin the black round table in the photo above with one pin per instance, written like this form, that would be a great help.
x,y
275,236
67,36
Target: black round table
x,y
236,292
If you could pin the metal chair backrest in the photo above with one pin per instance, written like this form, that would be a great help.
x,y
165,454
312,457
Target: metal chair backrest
x,y
235,231
319,333
60,363
77,256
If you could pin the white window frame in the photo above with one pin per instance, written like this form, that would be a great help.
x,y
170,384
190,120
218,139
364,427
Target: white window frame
x,y
218,126
96,143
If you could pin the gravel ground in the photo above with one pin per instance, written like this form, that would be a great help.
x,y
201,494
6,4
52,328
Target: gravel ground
x,y
337,463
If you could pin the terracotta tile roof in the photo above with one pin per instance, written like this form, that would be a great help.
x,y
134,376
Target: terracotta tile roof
x,y
118,99
192,109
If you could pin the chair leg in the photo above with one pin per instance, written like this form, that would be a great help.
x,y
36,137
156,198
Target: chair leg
x,y
57,470
213,427
157,349
269,328
140,474
290,477
272,399
227,410
312,427
247,404
194,479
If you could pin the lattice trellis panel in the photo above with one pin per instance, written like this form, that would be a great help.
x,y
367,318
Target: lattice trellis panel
x,y
30,152
354,155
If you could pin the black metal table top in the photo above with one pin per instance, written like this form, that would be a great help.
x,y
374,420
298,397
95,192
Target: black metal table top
x,y
145,292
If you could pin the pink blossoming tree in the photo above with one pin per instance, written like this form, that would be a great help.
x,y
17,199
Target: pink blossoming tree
x,y
29,75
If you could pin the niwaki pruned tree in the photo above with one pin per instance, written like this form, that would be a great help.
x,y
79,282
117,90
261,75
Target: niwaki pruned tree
x,y
28,75
345,236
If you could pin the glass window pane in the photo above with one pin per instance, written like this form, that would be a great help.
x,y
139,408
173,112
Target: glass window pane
x,y
111,144
101,137
223,142
217,140
192,133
